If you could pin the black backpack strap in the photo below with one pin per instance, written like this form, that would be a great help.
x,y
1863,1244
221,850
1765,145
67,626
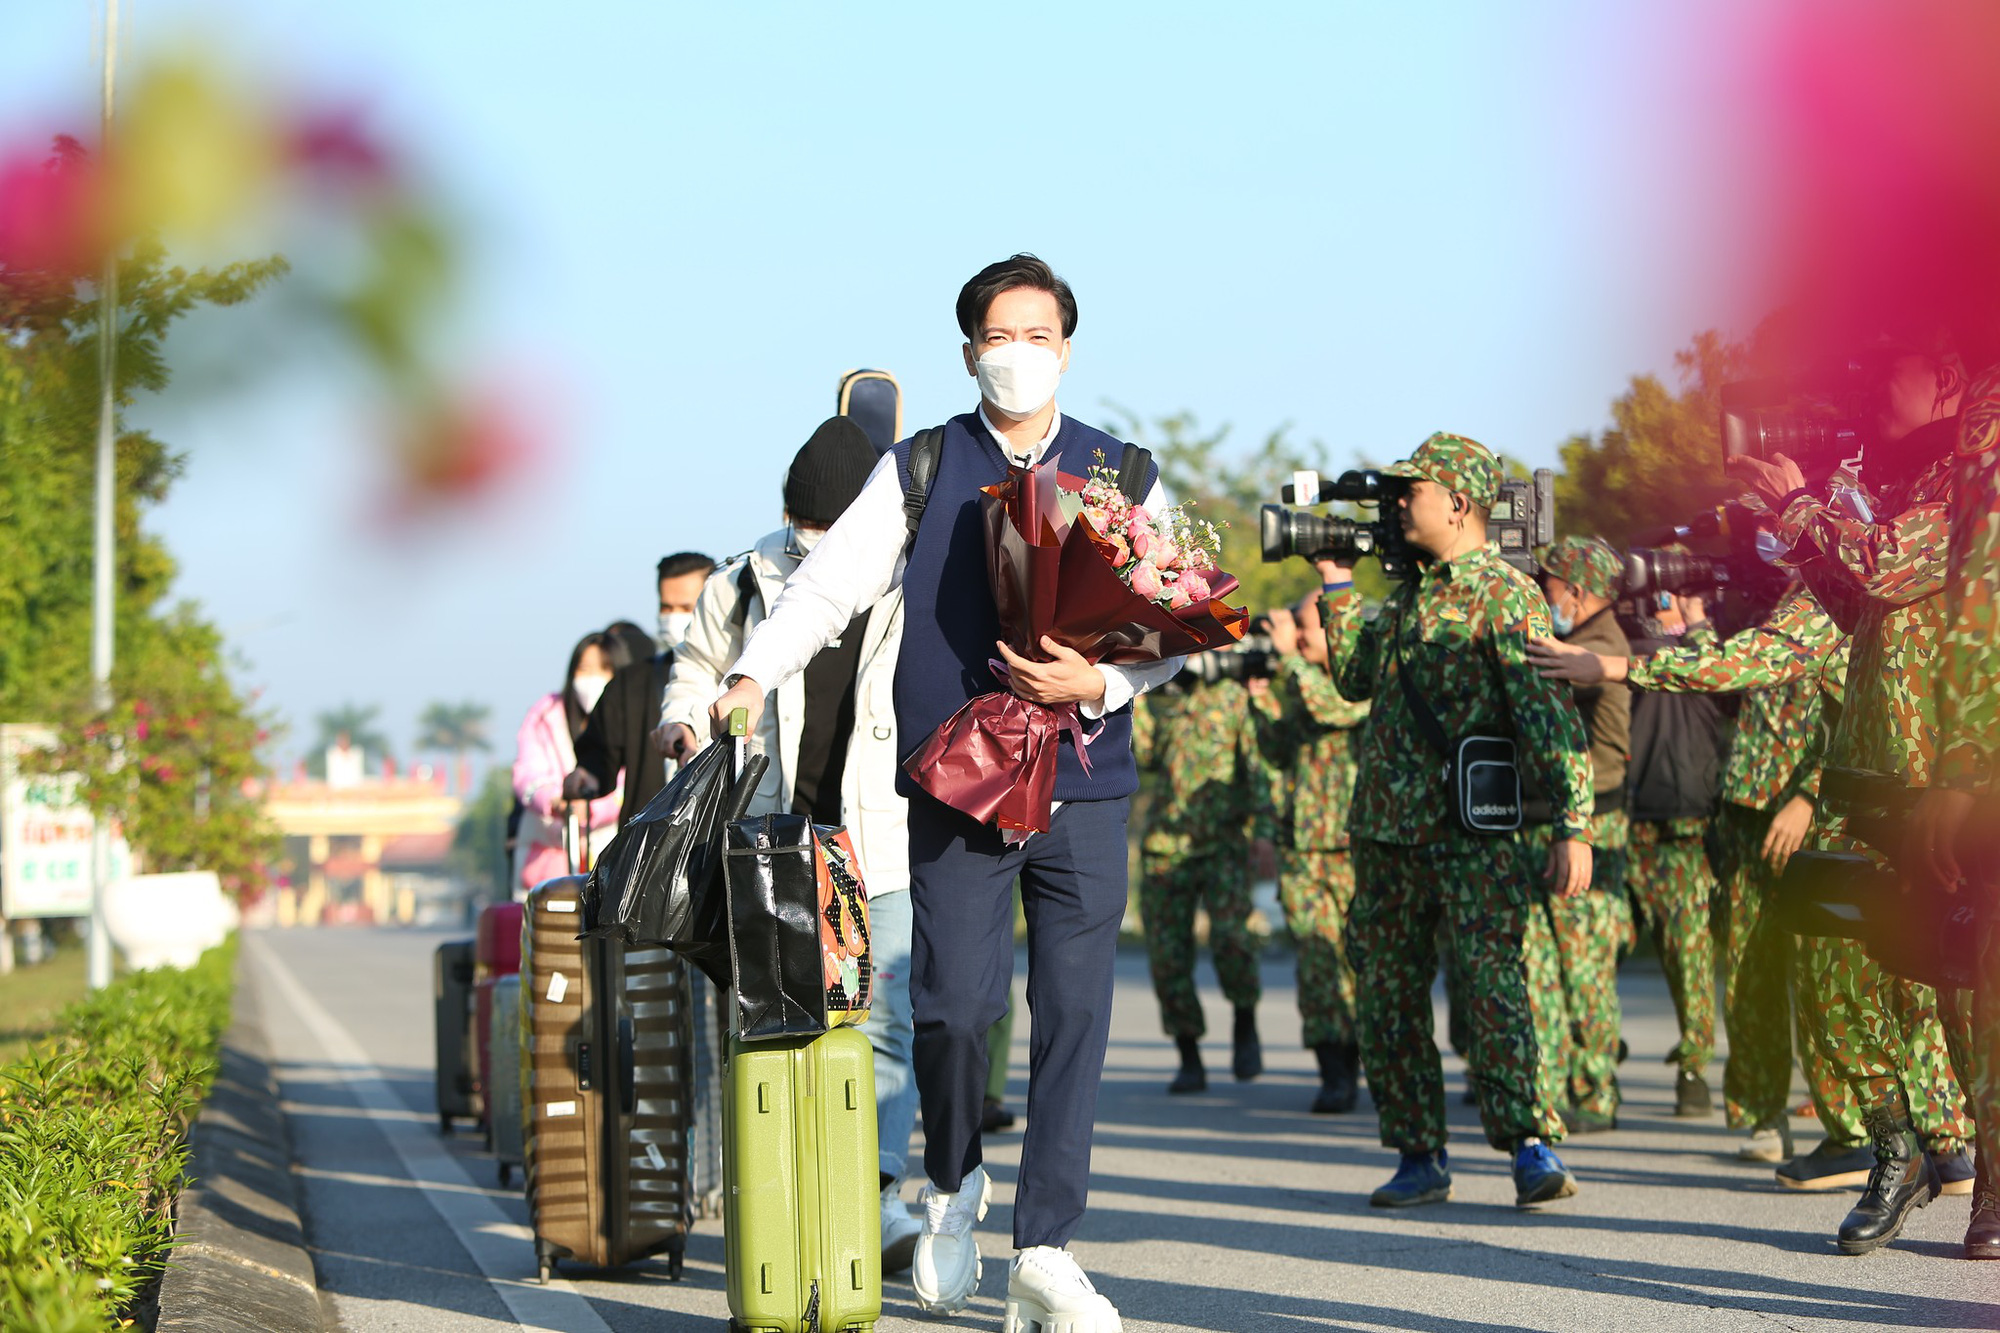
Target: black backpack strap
x,y
746,588
925,446
1134,468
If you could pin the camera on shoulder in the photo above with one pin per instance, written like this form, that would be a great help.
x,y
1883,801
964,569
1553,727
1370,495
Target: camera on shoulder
x,y
1522,517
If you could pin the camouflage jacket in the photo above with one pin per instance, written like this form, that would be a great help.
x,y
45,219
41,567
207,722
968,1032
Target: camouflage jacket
x,y
1461,628
1307,735
1968,679
1214,790
1882,582
1777,723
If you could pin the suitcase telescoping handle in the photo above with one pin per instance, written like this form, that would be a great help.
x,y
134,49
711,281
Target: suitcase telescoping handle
x,y
750,771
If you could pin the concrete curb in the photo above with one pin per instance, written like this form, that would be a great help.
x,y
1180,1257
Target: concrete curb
x,y
240,1263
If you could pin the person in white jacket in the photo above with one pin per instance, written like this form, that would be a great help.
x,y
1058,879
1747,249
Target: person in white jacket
x,y
830,734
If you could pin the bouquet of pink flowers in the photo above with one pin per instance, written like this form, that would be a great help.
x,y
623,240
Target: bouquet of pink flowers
x,y
1075,559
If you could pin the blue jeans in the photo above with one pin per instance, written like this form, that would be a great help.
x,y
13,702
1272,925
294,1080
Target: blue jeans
x,y
888,1028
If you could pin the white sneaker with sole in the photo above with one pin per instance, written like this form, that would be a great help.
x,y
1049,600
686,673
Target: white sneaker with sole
x,y
900,1229
945,1268
1048,1293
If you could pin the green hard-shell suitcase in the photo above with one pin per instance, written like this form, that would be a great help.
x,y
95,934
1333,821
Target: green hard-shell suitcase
x,y
802,1207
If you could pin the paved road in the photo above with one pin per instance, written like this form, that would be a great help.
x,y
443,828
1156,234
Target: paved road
x,y
1231,1211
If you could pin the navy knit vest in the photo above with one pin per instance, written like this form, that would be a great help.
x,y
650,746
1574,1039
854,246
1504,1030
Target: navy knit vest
x,y
949,620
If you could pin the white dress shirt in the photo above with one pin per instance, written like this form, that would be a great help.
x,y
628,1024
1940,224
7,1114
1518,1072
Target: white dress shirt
x,y
861,557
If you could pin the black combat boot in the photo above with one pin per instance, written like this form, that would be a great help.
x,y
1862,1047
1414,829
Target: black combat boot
x,y
1248,1061
1982,1238
1337,1090
1903,1180
1192,1077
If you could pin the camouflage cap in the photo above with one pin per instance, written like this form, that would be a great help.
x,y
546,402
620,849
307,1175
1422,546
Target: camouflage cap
x,y
1455,463
1587,563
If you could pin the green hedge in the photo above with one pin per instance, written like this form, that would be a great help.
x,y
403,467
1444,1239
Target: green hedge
x,y
93,1145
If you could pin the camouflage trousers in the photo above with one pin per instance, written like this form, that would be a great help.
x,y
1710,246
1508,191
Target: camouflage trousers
x,y
1479,888
1892,1043
1316,887
1757,987
1171,885
1571,952
1669,877
1984,1092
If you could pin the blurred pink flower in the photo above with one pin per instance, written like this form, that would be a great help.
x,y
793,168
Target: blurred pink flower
x,y
50,223
1177,596
1099,519
1146,579
1121,554
1196,585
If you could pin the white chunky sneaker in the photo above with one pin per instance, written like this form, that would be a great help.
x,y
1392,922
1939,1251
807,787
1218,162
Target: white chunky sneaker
x,y
945,1268
1048,1293
900,1229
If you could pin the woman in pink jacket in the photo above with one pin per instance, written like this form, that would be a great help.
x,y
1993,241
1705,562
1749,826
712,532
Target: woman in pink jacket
x,y
544,754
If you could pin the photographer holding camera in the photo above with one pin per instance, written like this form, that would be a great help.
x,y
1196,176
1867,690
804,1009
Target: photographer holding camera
x,y
1198,737
1445,663
1572,940
1308,734
1881,582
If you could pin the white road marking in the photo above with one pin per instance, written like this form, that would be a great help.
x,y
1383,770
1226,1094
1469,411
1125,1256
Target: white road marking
x,y
503,1249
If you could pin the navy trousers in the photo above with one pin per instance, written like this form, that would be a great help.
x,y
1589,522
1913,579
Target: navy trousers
x,y
1073,885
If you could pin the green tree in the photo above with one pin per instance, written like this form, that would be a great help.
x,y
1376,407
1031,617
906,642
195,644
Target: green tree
x,y
479,844
455,729
174,761
358,723
1660,461
1228,489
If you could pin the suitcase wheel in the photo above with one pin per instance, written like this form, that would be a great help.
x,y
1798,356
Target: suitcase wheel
x,y
544,1270
506,1175
674,1262
444,1122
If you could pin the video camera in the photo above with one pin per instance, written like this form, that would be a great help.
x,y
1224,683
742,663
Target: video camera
x,y
1818,421
1740,572
1927,936
1253,657
1523,517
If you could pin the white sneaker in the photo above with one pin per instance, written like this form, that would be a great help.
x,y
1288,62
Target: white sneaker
x,y
945,1268
900,1229
1048,1293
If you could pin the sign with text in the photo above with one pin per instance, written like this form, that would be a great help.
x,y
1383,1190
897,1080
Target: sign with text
x,y
45,833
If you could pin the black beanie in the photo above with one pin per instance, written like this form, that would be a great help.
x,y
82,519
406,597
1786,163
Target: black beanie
x,y
829,472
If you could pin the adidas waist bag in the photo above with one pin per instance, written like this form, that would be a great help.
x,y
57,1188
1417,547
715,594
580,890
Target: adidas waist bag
x,y
1485,785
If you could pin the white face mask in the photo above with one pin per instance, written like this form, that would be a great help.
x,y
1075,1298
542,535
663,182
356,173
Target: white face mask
x,y
674,626
800,541
589,689
1019,378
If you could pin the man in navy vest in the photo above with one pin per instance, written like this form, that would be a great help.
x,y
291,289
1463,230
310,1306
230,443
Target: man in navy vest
x,y
1017,317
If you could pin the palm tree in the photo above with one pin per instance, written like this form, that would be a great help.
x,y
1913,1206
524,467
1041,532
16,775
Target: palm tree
x,y
455,729
357,723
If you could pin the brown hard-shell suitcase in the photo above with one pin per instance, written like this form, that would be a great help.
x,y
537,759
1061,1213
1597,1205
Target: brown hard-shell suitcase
x,y
607,1079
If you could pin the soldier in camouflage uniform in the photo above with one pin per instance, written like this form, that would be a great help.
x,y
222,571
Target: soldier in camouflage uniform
x,y
1968,703
1199,738
1307,737
1572,942
1800,646
1455,635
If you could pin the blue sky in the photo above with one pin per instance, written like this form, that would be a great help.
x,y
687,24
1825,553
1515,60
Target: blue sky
x,y
1367,221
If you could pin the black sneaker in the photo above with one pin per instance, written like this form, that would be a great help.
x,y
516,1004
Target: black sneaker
x,y
1830,1166
1691,1095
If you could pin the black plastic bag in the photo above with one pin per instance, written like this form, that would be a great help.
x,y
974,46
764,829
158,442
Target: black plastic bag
x,y
798,928
660,880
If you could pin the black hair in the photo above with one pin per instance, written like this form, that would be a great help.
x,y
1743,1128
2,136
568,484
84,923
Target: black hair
x,y
1022,270
683,562
629,644
574,712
